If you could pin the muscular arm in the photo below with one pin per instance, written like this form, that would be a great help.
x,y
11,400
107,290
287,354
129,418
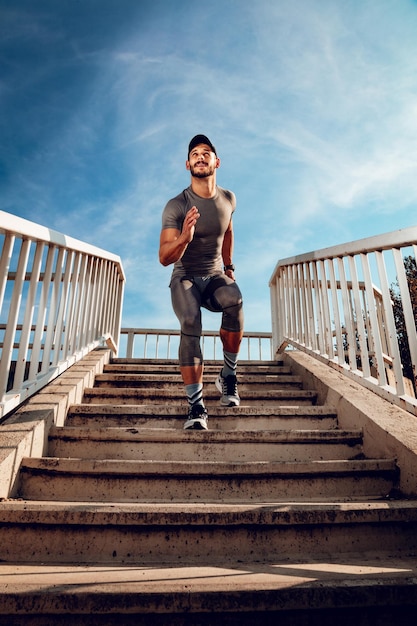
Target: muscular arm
x,y
227,249
173,243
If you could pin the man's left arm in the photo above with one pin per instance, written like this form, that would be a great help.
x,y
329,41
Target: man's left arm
x,y
227,250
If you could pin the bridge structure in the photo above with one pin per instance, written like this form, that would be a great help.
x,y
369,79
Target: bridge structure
x,y
297,505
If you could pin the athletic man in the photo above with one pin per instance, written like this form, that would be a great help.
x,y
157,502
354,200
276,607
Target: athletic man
x,y
197,237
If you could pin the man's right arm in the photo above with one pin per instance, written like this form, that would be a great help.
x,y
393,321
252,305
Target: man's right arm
x,y
171,246
173,243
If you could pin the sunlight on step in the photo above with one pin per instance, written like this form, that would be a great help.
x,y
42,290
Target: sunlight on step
x,y
281,574
355,569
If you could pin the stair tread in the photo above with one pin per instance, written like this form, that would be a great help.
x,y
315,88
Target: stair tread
x,y
174,435
257,379
187,589
206,468
176,410
218,363
210,394
256,370
211,513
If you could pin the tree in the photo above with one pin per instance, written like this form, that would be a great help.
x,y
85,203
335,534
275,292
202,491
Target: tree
x,y
410,266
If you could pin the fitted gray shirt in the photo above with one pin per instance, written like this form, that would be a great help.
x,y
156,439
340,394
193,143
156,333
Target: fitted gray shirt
x,y
203,256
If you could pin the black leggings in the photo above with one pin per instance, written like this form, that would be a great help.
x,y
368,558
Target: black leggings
x,y
216,293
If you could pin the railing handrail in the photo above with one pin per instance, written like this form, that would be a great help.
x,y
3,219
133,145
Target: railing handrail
x,y
402,238
253,343
20,227
64,298
337,304
171,331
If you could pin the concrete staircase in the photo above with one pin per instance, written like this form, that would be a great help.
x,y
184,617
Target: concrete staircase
x,y
274,515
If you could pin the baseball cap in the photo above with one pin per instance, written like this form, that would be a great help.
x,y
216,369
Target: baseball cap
x,y
195,141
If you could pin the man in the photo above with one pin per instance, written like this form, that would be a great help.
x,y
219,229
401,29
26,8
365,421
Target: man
x,y
197,237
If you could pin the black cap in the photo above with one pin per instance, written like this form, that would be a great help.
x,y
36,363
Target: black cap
x,y
195,141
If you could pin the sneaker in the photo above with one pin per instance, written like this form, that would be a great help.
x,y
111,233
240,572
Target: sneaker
x,y
228,388
197,418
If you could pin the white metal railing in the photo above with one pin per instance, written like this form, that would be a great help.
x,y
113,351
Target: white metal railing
x,y
163,344
59,299
355,307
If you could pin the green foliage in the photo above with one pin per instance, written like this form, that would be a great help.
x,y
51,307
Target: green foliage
x,y
411,273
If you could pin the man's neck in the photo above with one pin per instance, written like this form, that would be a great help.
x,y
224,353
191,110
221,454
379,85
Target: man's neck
x,y
204,187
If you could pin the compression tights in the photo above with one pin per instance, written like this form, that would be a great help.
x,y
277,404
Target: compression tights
x,y
217,293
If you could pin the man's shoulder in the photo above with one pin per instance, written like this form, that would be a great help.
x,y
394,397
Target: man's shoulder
x,y
228,195
179,201
180,198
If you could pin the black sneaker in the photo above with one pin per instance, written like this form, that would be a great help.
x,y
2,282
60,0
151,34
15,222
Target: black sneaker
x,y
228,388
197,418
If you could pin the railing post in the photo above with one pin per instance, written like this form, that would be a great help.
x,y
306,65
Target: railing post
x,y
7,351
27,322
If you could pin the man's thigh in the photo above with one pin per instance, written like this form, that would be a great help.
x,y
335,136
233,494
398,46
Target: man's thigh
x,y
186,300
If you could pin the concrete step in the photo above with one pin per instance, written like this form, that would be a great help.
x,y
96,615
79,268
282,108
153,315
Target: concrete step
x,y
209,364
344,590
132,395
233,418
159,380
149,534
210,371
83,480
232,446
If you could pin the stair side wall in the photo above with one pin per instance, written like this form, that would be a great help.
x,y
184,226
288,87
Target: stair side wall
x,y
25,433
388,430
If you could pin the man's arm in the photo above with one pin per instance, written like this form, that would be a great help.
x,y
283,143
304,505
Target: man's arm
x,y
173,243
227,248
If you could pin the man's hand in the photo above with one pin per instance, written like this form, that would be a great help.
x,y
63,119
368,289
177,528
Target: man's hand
x,y
230,274
188,227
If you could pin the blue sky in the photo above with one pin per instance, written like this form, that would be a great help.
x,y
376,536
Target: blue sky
x,y
312,105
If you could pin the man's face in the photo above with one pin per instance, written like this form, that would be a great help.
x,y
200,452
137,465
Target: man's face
x,y
202,162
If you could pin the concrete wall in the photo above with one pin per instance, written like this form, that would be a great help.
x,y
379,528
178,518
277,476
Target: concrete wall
x,y
388,431
25,432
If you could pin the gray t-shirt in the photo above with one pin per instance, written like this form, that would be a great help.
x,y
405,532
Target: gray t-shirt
x,y
203,256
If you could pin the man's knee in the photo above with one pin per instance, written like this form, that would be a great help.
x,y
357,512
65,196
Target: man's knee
x,y
227,296
191,325
233,318
231,301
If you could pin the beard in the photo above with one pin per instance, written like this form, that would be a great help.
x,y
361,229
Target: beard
x,y
208,171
